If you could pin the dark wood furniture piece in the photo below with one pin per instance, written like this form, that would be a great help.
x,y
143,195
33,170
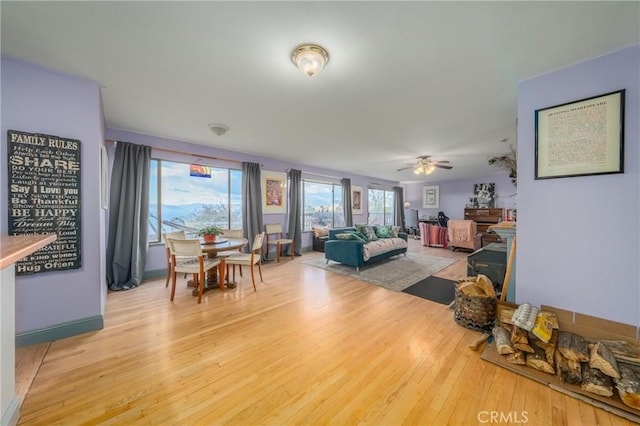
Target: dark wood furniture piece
x,y
485,217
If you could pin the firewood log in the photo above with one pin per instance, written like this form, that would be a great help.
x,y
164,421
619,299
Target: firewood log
x,y
595,381
621,350
603,360
549,348
518,358
568,371
573,347
538,360
520,339
628,386
503,343
486,285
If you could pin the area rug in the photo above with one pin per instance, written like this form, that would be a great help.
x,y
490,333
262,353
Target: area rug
x,y
432,288
395,273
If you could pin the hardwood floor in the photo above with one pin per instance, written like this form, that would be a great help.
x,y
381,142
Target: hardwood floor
x,y
309,347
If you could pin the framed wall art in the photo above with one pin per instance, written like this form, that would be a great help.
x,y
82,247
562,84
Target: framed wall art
x,y
356,199
274,192
580,138
431,197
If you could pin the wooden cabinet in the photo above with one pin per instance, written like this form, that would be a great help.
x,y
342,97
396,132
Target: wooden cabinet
x,y
485,217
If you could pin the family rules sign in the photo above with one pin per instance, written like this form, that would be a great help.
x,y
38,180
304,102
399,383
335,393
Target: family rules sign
x,y
44,198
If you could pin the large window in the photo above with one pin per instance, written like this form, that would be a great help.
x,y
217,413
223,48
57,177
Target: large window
x,y
381,207
179,200
322,205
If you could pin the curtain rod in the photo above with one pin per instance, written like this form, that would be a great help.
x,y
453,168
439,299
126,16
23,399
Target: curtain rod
x,y
317,174
172,151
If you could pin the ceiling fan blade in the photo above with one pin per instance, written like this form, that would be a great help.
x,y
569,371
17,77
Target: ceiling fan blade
x,y
442,166
405,168
442,161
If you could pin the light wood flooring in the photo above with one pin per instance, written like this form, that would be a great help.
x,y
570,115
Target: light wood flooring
x,y
309,347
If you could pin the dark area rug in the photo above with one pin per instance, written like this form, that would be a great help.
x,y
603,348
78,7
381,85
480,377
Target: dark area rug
x,y
436,289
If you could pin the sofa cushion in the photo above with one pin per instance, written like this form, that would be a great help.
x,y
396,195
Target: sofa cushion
x,y
395,231
382,245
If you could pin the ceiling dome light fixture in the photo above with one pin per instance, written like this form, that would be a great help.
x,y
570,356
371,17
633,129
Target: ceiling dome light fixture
x,y
218,129
310,58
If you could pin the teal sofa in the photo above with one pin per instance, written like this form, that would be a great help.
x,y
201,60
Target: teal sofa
x,y
353,252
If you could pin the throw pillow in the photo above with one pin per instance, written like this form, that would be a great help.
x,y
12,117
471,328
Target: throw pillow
x,y
369,232
395,231
346,236
350,236
383,231
320,231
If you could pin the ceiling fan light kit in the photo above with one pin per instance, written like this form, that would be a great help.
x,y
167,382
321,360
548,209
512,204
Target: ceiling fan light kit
x,y
426,166
310,58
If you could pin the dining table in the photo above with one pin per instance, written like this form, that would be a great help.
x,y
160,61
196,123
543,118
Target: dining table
x,y
219,245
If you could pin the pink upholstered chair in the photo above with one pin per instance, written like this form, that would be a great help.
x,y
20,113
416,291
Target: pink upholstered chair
x,y
464,234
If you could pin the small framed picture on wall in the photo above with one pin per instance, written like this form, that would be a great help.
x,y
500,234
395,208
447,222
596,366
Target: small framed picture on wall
x,y
356,199
431,197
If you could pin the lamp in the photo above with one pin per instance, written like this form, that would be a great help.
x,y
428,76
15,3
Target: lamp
x,y
310,58
407,204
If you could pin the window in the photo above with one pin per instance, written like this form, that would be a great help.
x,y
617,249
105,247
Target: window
x,y
381,207
322,205
178,200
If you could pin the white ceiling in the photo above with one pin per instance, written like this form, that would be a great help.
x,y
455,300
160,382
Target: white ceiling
x,y
404,78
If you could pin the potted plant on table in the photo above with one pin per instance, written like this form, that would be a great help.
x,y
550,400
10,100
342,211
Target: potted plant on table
x,y
209,233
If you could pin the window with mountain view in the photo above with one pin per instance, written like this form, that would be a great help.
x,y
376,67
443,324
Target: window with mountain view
x,y
322,205
187,198
380,204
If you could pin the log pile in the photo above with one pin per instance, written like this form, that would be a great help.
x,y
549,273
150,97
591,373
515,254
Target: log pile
x,y
597,366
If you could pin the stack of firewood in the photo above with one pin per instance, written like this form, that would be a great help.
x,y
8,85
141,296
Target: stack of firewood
x,y
597,366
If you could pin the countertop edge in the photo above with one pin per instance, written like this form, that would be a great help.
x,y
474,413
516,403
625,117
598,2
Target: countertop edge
x,y
16,247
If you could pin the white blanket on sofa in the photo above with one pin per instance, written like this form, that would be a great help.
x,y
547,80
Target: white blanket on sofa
x,y
383,245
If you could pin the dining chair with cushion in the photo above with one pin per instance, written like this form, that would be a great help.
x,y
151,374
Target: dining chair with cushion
x,y
275,230
254,257
187,257
231,233
178,235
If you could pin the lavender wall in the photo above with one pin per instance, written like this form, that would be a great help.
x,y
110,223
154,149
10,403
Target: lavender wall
x,y
35,100
454,194
156,256
578,238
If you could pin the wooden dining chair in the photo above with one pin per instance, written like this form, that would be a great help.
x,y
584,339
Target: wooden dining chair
x,y
249,259
187,257
178,235
275,230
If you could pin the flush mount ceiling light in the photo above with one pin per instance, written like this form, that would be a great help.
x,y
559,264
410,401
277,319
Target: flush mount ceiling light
x,y
310,58
218,129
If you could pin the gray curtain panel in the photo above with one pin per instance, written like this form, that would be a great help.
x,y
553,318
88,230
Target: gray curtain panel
x,y
295,210
251,201
398,206
346,201
128,216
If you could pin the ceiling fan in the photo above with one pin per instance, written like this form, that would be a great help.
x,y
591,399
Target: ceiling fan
x,y
426,166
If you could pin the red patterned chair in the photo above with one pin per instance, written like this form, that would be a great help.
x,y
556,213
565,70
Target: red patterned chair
x,y
433,235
